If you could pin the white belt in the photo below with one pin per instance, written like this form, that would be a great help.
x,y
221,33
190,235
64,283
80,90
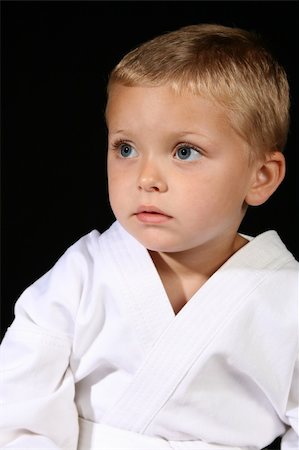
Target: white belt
x,y
97,436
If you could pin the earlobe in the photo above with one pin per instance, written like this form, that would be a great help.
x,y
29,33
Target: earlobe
x,y
266,178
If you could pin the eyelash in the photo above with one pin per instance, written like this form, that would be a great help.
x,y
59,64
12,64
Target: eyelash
x,y
117,144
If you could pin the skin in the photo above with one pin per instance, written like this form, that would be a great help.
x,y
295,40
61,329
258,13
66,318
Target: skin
x,y
179,153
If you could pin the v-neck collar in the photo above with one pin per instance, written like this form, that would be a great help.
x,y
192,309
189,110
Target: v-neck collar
x,y
151,308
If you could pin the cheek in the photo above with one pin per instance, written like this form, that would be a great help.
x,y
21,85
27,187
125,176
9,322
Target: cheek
x,y
230,198
110,168
117,171
113,186
118,189
114,176
212,196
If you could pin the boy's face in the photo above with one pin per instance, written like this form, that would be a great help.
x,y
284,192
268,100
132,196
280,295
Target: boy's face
x,y
178,174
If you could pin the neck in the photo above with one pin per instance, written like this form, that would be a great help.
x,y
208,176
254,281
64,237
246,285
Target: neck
x,y
183,273
201,261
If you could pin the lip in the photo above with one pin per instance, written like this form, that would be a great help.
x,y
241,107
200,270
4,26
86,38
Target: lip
x,y
151,215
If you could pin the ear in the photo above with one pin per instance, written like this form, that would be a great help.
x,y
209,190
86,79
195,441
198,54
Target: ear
x,y
267,176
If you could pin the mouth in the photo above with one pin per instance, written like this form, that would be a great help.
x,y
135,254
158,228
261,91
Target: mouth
x,y
151,215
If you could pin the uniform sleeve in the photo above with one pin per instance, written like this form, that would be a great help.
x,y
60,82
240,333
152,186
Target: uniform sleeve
x,y
37,406
290,440
37,390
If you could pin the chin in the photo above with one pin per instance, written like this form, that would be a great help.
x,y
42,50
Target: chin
x,y
159,244
154,238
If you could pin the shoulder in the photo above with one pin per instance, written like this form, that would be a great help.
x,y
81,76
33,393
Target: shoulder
x,y
86,263
90,246
81,284
268,250
276,295
92,241
275,272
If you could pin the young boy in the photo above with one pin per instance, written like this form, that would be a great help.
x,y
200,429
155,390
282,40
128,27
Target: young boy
x,y
170,330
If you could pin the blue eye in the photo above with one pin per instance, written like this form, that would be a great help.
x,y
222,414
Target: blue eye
x,y
186,152
127,151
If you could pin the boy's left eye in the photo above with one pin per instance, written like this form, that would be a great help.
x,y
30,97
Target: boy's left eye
x,y
186,152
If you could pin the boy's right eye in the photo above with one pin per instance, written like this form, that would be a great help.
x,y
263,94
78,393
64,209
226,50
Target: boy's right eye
x,y
125,150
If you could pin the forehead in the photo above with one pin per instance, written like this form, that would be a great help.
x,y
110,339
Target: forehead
x,y
162,110
148,103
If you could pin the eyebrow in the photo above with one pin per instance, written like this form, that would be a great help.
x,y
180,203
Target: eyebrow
x,y
181,133
198,134
117,131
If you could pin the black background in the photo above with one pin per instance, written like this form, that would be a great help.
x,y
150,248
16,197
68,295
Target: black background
x,y
55,60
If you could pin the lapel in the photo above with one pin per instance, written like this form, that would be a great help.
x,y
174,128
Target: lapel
x,y
176,342
135,279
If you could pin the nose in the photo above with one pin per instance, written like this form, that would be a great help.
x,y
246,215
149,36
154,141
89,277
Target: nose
x,y
151,179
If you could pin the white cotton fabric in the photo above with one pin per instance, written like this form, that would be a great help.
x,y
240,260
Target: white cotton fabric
x,y
95,341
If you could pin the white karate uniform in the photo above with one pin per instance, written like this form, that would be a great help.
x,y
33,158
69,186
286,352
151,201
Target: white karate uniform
x,y
97,359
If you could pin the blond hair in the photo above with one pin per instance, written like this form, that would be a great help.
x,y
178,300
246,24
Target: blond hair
x,y
229,66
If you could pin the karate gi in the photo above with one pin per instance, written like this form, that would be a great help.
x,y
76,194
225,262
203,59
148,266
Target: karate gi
x,y
97,359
